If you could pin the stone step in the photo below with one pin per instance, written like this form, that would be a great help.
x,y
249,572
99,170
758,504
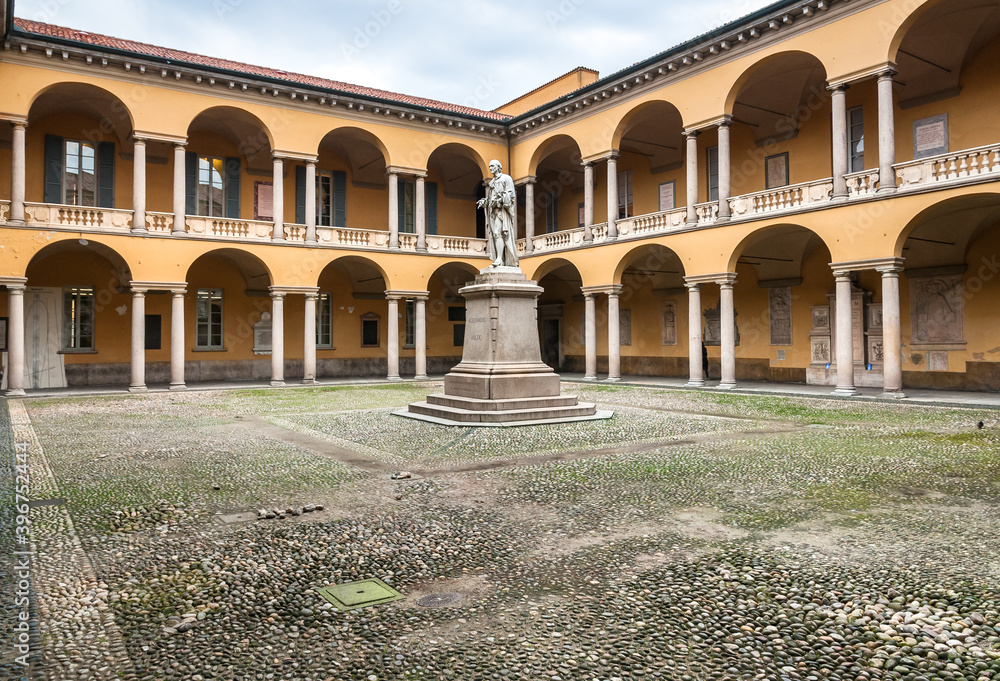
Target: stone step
x,y
456,415
512,404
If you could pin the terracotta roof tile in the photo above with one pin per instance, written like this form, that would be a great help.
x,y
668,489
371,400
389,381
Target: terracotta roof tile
x,y
97,40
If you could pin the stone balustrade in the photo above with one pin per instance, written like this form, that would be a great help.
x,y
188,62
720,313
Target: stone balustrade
x,y
707,212
954,167
864,183
4,210
454,245
159,223
77,216
653,223
788,198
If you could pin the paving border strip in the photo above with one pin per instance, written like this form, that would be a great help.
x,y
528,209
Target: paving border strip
x,y
83,640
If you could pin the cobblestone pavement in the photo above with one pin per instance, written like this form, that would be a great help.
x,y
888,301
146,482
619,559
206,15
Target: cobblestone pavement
x,y
694,536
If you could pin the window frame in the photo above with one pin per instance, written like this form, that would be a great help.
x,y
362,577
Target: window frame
x,y
76,300
210,160
79,159
409,323
214,295
324,321
712,172
321,176
853,141
626,199
371,317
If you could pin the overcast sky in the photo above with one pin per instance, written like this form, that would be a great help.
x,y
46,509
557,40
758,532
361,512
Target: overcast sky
x,y
471,52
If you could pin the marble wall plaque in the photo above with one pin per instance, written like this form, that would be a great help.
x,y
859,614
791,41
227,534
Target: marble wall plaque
x,y
780,314
262,334
667,201
937,360
625,327
669,335
930,136
263,201
875,317
821,350
875,350
713,327
821,318
937,309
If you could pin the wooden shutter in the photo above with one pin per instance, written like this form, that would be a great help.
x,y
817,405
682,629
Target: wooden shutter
x,y
431,200
300,195
106,174
233,187
339,198
53,169
190,183
401,195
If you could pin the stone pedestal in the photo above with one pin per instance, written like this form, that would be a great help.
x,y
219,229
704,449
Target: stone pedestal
x,y
501,379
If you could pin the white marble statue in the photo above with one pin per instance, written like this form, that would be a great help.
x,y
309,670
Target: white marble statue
x,y
501,213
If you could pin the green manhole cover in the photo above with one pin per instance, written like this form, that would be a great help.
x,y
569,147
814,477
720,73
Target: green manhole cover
x,y
359,594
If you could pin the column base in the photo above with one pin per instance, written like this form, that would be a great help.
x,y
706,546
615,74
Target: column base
x,y
137,389
142,231
839,197
886,190
178,232
612,379
590,378
727,386
695,384
610,237
893,395
421,250
723,218
394,379
277,240
16,223
846,391
421,377
280,383
178,386
308,381
15,392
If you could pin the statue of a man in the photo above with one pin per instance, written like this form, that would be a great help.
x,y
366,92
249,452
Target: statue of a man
x,y
501,211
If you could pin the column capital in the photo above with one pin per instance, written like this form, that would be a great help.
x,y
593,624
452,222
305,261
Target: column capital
x,y
610,289
138,139
842,275
725,121
284,155
311,295
888,74
692,286
171,286
406,170
690,133
401,294
526,180
838,87
16,121
14,283
150,136
869,264
291,290
717,278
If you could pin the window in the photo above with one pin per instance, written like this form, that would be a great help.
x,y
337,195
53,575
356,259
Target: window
x,y
78,318
551,212
456,313
856,140
211,191
409,324
208,335
409,193
625,208
79,181
369,330
324,320
324,199
154,331
713,173
581,217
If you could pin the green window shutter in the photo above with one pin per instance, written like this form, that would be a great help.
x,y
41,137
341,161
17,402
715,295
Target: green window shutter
x,y
233,187
300,195
401,195
53,169
431,198
190,183
339,198
106,174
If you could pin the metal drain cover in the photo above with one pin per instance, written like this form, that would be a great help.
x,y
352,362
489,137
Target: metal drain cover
x,y
439,600
359,594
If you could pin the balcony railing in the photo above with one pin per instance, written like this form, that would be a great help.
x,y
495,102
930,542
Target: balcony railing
x,y
953,167
968,165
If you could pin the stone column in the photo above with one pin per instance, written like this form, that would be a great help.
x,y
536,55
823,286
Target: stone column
x,y
278,200
392,340
139,185
17,174
727,333
695,368
529,216
180,190
839,105
588,201
277,338
177,340
614,336
612,232
590,337
420,215
138,382
725,166
311,202
886,133
309,340
892,335
420,338
15,340
393,210
692,176
845,336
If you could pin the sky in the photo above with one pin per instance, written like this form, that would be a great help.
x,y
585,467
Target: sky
x,y
471,52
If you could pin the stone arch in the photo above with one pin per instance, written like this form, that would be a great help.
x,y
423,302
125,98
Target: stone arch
x,y
255,271
786,244
460,168
661,264
249,134
113,114
660,108
546,267
121,266
550,146
941,234
360,147
363,273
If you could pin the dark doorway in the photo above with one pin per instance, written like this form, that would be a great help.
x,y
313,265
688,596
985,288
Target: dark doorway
x,y
480,214
549,340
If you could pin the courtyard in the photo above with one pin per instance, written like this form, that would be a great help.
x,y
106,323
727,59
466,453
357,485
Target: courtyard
x,y
696,535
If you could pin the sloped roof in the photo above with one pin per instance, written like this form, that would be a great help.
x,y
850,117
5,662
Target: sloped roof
x,y
97,40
